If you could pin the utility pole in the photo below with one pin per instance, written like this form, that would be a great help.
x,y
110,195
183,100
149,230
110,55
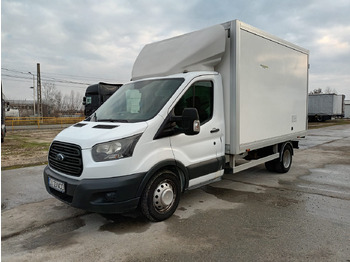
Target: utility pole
x,y
38,79
33,93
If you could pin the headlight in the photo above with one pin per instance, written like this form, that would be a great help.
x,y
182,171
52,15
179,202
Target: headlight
x,y
116,149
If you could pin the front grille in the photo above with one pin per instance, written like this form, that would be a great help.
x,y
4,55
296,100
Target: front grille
x,y
66,158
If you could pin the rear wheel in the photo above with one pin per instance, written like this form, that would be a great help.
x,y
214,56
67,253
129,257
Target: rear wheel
x,y
161,196
284,163
319,118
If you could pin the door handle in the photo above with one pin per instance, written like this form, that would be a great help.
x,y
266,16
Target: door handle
x,y
214,130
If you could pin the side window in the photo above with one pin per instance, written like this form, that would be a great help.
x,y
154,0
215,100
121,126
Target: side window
x,y
88,100
199,96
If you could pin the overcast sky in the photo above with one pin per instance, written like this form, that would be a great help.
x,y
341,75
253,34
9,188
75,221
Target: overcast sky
x,y
83,42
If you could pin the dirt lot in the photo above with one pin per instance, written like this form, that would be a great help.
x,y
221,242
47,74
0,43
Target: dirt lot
x,y
313,125
30,147
26,147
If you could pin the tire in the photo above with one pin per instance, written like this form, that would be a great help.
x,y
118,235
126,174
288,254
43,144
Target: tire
x,y
161,196
319,118
271,165
285,162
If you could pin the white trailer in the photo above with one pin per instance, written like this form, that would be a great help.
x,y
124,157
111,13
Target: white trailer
x,y
12,112
347,108
226,97
322,107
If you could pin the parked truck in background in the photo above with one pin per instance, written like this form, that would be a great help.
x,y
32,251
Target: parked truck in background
x,y
226,97
4,108
3,126
347,108
96,95
322,107
12,112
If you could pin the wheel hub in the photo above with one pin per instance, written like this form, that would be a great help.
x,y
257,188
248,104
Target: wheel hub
x,y
163,196
286,158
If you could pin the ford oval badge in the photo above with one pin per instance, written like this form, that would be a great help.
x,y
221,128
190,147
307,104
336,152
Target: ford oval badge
x,y
60,157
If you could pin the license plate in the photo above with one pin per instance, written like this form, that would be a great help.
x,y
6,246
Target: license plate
x,y
57,185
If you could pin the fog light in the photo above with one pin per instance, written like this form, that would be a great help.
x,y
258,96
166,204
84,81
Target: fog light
x,y
111,196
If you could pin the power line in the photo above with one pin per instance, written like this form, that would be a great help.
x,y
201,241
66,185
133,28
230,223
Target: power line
x,y
79,77
64,81
18,77
46,79
12,70
58,79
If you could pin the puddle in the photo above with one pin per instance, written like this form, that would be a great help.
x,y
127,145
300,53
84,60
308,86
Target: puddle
x,y
333,175
227,194
333,209
332,181
58,235
119,224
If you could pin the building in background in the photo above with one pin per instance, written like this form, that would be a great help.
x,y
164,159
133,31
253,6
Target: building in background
x,y
24,108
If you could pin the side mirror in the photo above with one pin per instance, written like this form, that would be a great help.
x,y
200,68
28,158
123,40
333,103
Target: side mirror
x,y
84,101
190,121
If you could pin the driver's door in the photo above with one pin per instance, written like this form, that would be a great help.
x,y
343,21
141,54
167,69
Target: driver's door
x,y
202,153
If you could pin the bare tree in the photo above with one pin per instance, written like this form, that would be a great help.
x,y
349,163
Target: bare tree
x,y
330,91
52,98
59,104
72,104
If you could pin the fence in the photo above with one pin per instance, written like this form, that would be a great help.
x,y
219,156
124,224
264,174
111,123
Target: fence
x,y
40,121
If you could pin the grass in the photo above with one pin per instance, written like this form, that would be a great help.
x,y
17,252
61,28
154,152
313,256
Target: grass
x,y
26,148
23,165
16,144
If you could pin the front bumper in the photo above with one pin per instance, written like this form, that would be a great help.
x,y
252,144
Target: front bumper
x,y
105,195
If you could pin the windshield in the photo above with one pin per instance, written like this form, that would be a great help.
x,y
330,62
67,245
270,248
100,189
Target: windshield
x,y
137,101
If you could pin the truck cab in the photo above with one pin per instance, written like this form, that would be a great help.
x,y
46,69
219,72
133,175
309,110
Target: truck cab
x,y
4,108
96,95
143,127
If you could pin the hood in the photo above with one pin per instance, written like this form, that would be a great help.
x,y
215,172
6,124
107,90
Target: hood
x,y
87,134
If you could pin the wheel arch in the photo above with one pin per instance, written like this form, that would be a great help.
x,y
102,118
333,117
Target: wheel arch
x,y
172,165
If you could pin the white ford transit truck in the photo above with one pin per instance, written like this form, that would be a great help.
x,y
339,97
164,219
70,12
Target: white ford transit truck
x,y
226,97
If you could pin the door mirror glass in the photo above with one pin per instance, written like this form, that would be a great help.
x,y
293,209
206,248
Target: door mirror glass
x,y
190,121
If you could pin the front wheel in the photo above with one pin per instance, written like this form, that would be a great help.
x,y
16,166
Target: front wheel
x,y
161,196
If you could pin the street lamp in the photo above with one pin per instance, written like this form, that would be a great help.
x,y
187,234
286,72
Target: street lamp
x,y
33,92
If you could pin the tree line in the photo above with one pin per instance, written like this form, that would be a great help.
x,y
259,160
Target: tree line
x,y
328,90
58,104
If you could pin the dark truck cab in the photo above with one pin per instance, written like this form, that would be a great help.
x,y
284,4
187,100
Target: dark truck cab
x,y
4,107
96,95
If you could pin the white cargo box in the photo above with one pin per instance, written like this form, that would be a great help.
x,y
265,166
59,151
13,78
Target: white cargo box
x,y
265,86
265,79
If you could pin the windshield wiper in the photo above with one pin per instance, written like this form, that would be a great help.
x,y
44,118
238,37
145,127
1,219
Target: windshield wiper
x,y
113,120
